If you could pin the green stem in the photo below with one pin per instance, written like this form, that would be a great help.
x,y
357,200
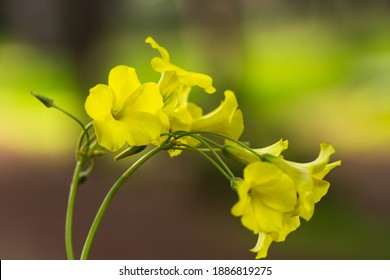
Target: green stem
x,y
49,103
220,135
73,118
112,192
85,133
69,210
213,162
204,141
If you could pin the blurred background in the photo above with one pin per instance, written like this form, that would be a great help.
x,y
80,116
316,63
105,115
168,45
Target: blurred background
x,y
307,71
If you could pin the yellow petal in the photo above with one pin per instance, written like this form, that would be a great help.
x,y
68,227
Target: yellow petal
x,y
187,78
280,195
195,110
99,102
141,128
180,119
161,65
326,150
318,167
244,200
320,188
169,85
258,173
146,98
110,134
197,79
264,240
265,218
124,81
182,76
290,223
274,149
236,127
163,52
164,121
220,118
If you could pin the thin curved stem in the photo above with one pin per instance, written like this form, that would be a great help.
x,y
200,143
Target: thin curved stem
x,y
49,103
204,141
75,119
213,162
221,135
111,194
69,210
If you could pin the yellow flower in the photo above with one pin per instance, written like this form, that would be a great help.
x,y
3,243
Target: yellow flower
x,y
265,194
275,193
175,86
125,110
175,77
308,178
225,119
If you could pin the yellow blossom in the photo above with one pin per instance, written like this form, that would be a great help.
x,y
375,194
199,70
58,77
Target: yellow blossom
x,y
308,178
174,76
125,110
225,119
175,86
265,194
275,193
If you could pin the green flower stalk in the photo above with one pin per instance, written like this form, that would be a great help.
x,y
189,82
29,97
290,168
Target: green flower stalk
x,y
129,116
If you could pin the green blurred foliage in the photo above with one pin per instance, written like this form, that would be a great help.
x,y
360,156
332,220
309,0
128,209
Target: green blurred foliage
x,y
26,126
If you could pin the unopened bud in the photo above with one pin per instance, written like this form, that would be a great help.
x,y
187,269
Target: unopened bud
x,y
235,182
47,101
130,151
240,154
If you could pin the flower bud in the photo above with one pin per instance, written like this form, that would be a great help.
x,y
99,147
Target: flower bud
x,y
239,154
47,101
235,182
130,151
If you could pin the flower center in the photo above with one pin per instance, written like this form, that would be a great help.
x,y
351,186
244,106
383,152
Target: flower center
x,y
115,114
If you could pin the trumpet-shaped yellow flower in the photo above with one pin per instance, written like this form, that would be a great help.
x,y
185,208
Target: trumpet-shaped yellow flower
x,y
276,192
175,85
308,178
265,194
175,77
225,119
125,110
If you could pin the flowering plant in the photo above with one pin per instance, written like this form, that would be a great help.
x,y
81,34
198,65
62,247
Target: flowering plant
x,y
273,193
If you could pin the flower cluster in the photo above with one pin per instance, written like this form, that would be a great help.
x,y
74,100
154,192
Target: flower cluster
x,y
126,111
273,193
